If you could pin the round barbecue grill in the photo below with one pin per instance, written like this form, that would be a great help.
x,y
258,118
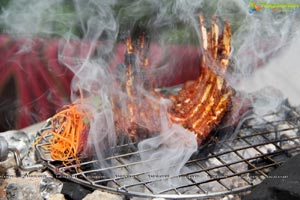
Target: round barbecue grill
x,y
260,144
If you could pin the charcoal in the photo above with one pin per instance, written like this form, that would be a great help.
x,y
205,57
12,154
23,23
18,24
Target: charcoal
x,y
282,183
74,191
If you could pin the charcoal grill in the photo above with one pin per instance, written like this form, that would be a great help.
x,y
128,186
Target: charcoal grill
x,y
232,165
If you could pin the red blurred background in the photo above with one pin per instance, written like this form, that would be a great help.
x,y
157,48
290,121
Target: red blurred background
x,y
34,84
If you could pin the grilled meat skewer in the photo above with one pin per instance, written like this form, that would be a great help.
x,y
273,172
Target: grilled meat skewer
x,y
199,106
202,103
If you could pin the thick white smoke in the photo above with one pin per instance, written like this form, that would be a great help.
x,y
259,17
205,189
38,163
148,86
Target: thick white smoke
x,y
34,17
282,72
93,78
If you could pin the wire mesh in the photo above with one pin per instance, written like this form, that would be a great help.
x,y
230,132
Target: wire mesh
x,y
232,165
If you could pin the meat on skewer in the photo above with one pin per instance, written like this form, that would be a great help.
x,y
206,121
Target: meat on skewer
x,y
202,103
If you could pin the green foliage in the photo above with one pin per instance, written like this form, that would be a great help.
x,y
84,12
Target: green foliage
x,y
131,15
3,4
64,19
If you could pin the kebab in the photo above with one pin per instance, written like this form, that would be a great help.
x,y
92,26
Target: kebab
x,y
201,104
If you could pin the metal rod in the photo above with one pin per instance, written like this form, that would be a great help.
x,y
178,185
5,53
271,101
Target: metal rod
x,y
19,162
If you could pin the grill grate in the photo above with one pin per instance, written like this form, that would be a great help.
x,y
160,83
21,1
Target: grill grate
x,y
232,165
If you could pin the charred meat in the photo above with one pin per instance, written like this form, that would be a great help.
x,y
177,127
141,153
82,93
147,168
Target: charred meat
x,y
199,106
202,103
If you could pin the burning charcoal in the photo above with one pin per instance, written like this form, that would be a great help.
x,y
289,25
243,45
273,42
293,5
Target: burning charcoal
x,y
50,186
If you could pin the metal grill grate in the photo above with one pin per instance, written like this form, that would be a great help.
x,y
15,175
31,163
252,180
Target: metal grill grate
x,y
233,165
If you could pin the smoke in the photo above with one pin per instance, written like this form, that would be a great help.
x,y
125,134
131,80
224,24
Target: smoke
x,y
89,30
172,148
265,43
260,35
34,17
174,145
97,83
93,79
282,72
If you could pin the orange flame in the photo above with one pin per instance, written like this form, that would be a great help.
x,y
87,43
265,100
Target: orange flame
x,y
129,47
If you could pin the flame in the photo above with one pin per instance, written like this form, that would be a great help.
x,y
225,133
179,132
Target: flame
x,y
146,62
142,41
130,90
141,111
129,48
